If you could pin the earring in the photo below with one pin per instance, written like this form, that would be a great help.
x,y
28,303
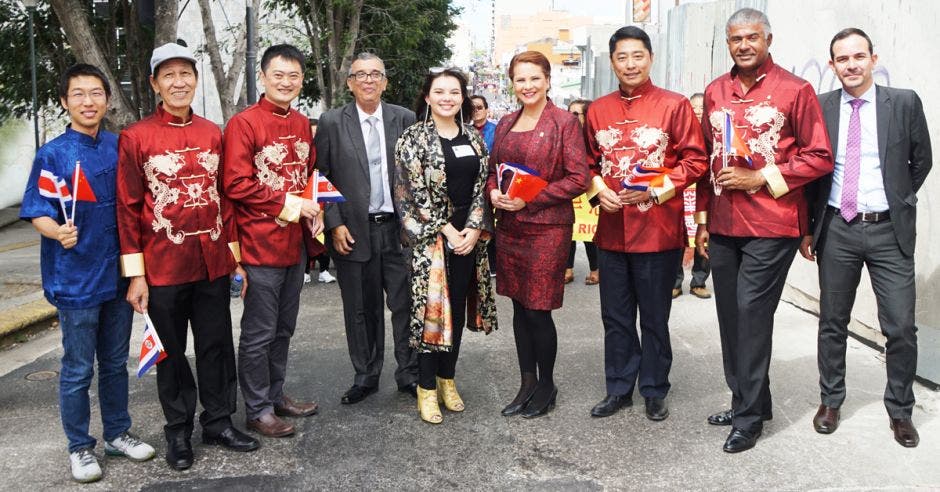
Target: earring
x,y
461,115
427,112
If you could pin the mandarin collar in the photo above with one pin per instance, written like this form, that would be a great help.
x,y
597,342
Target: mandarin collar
x,y
641,90
762,70
83,138
172,120
267,105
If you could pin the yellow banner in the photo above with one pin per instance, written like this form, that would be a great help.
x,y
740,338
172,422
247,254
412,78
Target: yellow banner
x,y
585,219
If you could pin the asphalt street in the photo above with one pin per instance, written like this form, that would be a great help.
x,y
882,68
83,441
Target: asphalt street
x,y
380,444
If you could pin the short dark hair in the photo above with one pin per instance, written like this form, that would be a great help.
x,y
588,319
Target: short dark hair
x,y
421,106
584,103
80,70
285,51
849,31
629,32
486,105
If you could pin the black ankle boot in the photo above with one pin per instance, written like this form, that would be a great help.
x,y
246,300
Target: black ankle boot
x,y
526,391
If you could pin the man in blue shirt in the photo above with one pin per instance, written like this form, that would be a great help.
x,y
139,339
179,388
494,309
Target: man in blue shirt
x,y
481,120
80,273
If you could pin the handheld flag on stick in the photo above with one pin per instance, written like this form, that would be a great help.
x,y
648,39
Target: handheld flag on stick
x,y
518,181
81,188
320,190
642,178
151,349
734,146
52,186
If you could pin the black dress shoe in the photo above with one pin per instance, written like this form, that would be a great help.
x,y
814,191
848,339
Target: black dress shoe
x,y
410,388
514,407
740,440
536,409
179,453
656,409
611,404
356,394
232,438
905,433
724,417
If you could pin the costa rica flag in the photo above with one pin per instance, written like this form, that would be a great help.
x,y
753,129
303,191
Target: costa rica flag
x,y
321,190
52,186
151,349
734,145
642,178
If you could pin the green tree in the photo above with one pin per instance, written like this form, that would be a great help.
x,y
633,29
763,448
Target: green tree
x,y
410,36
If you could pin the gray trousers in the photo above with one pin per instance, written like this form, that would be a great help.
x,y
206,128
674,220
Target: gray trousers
x,y
268,322
842,250
361,285
749,274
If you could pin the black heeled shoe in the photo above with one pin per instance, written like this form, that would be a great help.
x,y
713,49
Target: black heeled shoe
x,y
517,408
533,410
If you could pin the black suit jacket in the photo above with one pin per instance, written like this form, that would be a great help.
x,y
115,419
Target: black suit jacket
x,y
341,157
904,150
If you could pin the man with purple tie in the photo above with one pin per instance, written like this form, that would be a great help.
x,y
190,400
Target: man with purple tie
x,y
864,213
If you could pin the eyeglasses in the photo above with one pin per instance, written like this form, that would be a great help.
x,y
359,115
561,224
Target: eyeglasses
x,y
577,113
363,76
478,108
95,94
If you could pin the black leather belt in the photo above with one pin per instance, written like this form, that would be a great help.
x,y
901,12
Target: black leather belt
x,y
381,217
865,216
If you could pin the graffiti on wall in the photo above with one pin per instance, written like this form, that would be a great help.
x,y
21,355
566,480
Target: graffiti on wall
x,y
821,76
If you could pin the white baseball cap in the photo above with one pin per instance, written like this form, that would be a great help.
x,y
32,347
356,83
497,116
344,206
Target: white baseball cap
x,y
170,51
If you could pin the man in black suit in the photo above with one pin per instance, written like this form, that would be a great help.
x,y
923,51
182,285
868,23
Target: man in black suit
x,y
355,150
864,213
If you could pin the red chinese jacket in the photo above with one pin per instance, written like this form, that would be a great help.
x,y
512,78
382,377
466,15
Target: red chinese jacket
x,y
780,121
268,158
652,127
174,224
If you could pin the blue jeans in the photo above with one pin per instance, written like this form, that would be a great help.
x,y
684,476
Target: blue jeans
x,y
104,330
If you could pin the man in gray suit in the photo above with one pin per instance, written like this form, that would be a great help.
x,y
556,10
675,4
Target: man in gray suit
x,y
864,213
355,150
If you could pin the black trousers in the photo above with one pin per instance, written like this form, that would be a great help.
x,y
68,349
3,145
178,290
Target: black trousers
x,y
589,249
205,306
842,250
634,283
361,286
700,270
461,271
749,275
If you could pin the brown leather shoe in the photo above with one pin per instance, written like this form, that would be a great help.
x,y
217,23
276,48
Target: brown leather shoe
x,y
701,292
290,408
826,420
905,433
270,425
593,278
676,293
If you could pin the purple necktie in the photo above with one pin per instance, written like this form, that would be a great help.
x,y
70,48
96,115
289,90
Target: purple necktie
x,y
851,167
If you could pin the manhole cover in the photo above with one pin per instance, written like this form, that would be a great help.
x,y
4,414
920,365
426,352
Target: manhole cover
x,y
41,375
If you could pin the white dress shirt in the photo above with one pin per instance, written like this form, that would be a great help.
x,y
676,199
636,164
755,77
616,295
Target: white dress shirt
x,y
871,189
387,205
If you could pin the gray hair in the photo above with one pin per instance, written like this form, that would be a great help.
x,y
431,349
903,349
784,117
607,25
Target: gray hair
x,y
364,56
748,16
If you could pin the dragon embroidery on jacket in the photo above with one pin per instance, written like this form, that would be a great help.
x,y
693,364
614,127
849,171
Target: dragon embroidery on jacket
x,y
648,150
764,123
162,170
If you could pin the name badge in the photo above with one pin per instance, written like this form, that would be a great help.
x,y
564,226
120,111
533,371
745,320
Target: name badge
x,y
463,151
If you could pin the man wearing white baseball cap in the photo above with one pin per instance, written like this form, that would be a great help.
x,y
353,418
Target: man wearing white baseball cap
x,y
179,246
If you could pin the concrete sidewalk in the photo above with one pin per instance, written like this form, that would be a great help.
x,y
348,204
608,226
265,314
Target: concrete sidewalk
x,y
381,444
22,304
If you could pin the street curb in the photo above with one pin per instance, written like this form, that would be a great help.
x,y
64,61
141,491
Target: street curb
x,y
9,215
25,315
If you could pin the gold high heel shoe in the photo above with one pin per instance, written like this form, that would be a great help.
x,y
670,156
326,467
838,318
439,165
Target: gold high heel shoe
x,y
447,394
427,406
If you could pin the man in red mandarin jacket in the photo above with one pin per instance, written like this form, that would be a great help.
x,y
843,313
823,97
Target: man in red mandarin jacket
x,y
640,232
268,158
751,208
179,245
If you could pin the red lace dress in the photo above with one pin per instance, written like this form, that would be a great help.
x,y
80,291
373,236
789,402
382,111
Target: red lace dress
x,y
530,257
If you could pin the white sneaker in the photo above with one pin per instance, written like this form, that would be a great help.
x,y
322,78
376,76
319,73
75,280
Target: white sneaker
x,y
325,277
306,278
129,446
84,466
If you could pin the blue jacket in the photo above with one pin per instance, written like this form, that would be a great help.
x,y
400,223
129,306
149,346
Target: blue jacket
x,y
488,132
86,275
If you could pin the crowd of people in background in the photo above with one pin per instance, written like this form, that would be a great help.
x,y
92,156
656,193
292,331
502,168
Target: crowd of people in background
x,y
430,226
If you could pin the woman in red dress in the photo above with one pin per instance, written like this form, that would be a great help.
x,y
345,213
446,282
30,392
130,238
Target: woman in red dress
x,y
533,237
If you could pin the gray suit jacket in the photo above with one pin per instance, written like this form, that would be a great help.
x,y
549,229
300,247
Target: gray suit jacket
x,y
906,158
341,157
